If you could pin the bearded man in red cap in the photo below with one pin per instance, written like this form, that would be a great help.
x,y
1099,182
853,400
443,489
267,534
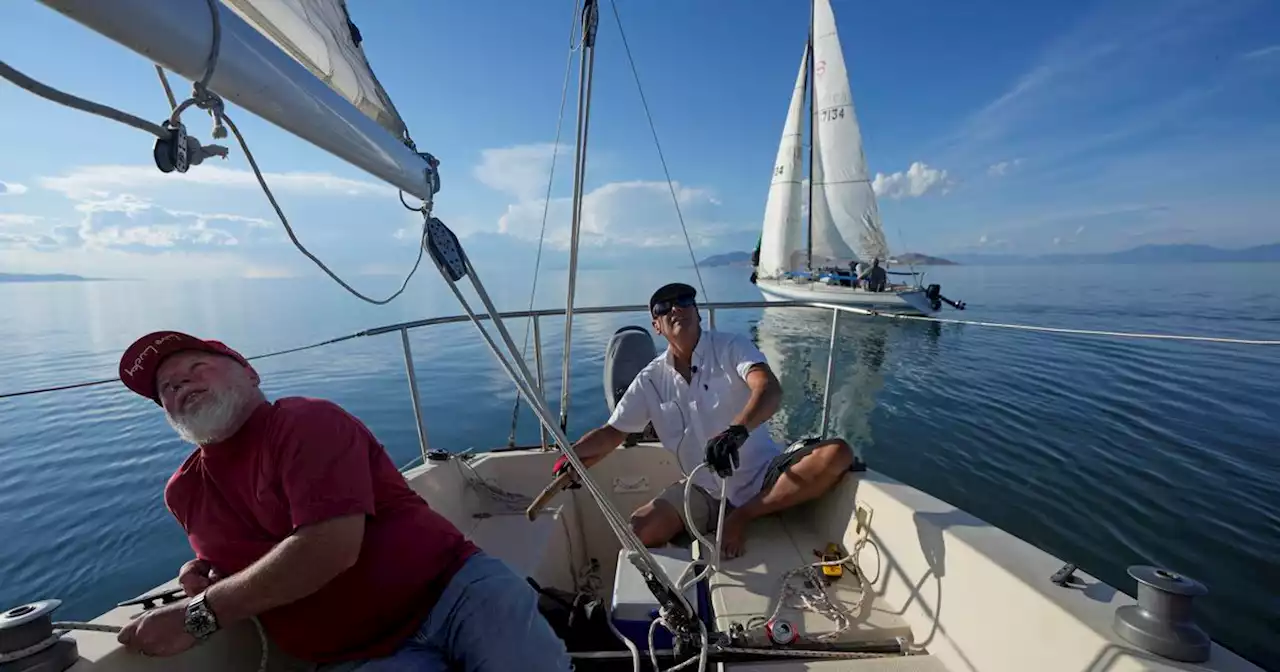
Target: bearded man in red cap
x,y
298,517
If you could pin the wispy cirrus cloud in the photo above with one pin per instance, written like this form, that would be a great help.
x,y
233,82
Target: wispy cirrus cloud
x,y
1122,72
1265,52
1130,104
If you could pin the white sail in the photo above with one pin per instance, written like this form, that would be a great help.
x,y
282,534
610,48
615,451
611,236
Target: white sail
x,y
846,221
782,236
319,35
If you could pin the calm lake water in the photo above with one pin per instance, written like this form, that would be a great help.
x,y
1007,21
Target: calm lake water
x,y
1104,452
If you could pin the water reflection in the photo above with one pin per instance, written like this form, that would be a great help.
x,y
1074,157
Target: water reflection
x,y
796,343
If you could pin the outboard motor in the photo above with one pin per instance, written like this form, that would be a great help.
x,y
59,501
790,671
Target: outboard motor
x,y
629,351
936,299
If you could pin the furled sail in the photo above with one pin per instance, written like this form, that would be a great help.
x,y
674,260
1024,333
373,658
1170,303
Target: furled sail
x,y
319,34
782,236
846,221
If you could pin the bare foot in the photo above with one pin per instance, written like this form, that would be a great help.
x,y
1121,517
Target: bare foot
x,y
733,536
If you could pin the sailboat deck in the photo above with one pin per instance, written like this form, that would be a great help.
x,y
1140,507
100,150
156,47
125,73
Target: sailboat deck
x,y
748,586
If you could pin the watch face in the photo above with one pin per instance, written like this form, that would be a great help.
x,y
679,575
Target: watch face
x,y
200,622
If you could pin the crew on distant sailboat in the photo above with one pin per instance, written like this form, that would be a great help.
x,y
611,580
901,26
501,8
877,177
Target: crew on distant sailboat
x,y
875,277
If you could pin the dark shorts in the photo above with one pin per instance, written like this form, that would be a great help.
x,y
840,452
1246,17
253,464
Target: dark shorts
x,y
780,464
704,506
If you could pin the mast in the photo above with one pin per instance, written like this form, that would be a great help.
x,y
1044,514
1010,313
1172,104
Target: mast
x,y
813,118
586,65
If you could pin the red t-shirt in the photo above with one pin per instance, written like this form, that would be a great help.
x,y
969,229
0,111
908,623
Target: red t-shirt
x,y
301,461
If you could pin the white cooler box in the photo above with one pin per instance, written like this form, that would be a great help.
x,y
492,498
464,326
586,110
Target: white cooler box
x,y
634,608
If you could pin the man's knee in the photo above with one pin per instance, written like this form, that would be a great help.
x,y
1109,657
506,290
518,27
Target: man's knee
x,y
656,523
835,454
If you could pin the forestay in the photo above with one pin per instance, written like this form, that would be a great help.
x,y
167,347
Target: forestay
x,y
782,236
319,34
846,221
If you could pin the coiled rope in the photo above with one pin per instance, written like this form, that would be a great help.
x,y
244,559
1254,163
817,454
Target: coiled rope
x,y
815,598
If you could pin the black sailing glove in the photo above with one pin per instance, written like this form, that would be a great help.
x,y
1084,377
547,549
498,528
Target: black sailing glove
x,y
722,449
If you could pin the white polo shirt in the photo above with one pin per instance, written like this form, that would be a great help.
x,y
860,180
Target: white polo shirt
x,y
686,415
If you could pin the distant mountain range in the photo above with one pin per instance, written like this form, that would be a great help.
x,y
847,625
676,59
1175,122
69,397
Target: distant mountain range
x,y
1146,254
727,259
918,259
39,277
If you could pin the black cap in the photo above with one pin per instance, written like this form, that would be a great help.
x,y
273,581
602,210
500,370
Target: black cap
x,y
670,292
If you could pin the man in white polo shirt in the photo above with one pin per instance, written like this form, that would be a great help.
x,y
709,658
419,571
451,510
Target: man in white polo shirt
x,y
709,397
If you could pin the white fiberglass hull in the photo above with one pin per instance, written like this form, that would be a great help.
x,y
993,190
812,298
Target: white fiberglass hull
x,y
904,300
1001,613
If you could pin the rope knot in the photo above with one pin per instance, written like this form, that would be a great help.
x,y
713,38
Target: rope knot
x,y
211,103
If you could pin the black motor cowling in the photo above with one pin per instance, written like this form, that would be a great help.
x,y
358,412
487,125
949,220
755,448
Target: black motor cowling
x,y
936,299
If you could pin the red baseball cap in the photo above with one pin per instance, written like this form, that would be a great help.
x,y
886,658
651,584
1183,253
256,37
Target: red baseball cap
x,y
140,361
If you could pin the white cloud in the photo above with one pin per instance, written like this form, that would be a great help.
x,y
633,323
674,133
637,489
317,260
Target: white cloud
x,y
1003,168
118,263
520,171
130,222
12,188
916,181
636,213
1057,241
17,219
127,221
94,181
1273,50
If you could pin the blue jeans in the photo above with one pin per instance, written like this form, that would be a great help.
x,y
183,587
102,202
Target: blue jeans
x,y
487,620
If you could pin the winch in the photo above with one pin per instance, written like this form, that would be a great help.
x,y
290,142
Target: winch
x,y
28,642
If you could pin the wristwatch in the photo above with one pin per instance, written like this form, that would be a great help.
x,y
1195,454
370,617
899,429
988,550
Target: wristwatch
x,y
200,622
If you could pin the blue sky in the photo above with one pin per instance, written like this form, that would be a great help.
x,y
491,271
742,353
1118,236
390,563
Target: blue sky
x,y
994,126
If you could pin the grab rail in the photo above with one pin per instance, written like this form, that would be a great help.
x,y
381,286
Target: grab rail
x,y
537,315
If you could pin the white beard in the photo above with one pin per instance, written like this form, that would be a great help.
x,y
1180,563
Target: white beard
x,y
211,419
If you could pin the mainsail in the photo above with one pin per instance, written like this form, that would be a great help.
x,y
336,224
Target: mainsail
x,y
845,219
319,34
782,238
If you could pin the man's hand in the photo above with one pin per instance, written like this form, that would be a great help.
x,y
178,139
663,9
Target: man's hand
x,y
196,576
159,632
722,449
562,465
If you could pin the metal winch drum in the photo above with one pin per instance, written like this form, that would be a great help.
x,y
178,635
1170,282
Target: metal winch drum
x,y
1161,621
27,642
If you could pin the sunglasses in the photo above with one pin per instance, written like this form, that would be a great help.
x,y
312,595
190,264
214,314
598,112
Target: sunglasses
x,y
663,307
